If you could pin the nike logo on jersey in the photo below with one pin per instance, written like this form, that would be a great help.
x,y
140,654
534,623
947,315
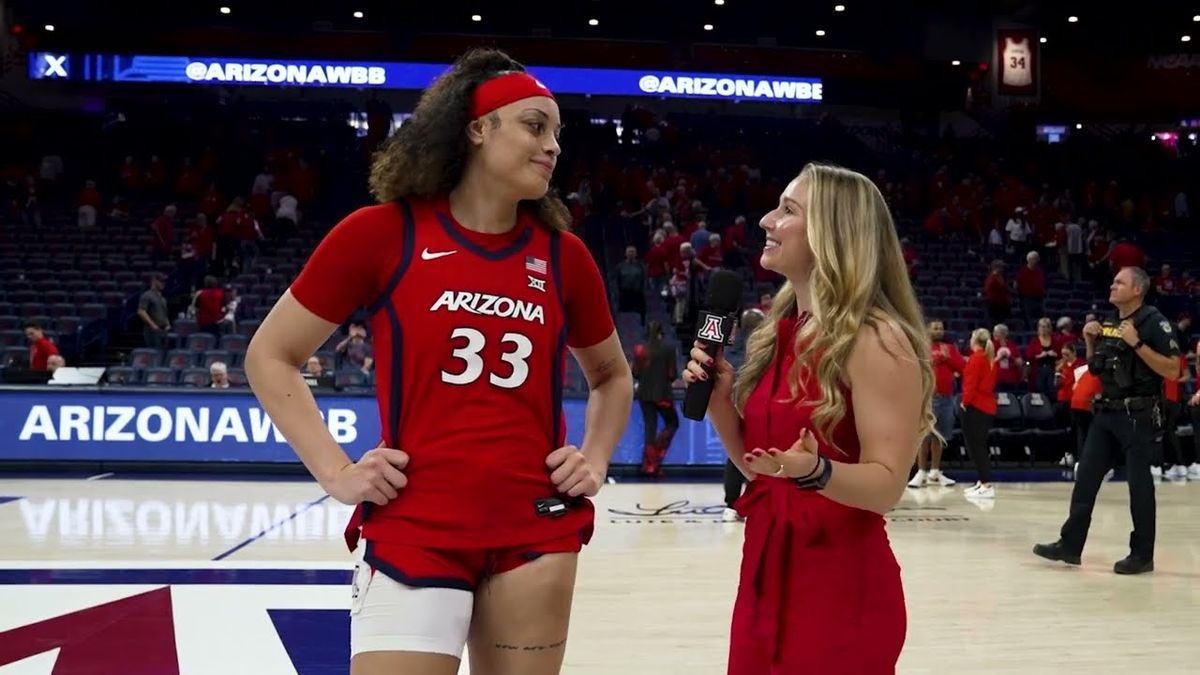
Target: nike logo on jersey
x,y
489,305
428,255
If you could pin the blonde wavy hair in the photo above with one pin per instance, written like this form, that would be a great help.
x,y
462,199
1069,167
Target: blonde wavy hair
x,y
859,277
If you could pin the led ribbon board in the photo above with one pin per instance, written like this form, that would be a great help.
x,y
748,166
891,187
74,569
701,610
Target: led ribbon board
x,y
412,76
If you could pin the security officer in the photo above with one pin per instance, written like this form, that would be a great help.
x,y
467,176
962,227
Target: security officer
x,y
1131,353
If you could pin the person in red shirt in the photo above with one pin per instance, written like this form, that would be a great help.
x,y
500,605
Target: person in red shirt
x,y
41,348
473,509
210,306
1172,452
1164,283
1042,355
1124,254
823,421
979,410
948,363
1031,287
996,294
1083,392
1064,378
1009,364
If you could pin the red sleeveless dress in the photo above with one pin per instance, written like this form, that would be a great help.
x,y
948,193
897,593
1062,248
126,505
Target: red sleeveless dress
x,y
820,589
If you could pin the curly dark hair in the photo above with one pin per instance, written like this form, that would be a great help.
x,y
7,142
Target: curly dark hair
x,y
427,156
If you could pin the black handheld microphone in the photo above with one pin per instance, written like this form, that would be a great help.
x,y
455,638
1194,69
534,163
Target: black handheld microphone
x,y
714,328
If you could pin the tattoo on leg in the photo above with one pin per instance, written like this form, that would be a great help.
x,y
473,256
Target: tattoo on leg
x,y
530,648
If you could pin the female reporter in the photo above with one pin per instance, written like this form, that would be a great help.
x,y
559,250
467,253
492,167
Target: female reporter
x,y
825,419
473,509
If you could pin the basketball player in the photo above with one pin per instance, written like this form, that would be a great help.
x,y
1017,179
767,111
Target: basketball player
x,y
473,509
825,420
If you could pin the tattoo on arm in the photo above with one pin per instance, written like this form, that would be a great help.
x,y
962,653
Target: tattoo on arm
x,y
530,648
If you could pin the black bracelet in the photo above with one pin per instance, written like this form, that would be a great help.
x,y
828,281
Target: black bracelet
x,y
819,482
810,474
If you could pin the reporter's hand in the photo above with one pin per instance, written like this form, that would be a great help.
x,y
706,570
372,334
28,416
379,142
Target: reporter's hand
x,y
376,478
572,473
799,460
722,373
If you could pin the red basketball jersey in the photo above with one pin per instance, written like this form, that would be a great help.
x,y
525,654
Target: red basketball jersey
x,y
470,333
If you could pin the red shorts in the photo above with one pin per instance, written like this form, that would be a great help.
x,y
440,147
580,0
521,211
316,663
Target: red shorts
x,y
460,568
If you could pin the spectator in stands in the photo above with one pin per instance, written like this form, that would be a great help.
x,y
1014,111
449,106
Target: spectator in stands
x,y
54,362
162,235
1125,253
89,204
673,243
209,304
1031,287
1076,258
229,226
631,284
250,236
41,348
313,366
1042,356
995,241
1010,365
1183,326
996,295
699,239
228,322
356,350
218,372
1019,232
734,239
979,410
1164,283
948,363
657,268
287,217
713,255
1066,332
152,310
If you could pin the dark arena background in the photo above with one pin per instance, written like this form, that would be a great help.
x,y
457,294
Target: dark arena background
x,y
177,163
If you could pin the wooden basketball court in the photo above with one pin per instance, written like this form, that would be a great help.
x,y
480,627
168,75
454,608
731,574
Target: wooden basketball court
x,y
252,577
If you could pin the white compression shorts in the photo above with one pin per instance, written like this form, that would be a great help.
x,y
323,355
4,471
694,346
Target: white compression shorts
x,y
388,616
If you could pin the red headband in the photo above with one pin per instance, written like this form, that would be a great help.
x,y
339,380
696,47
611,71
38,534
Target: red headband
x,y
500,91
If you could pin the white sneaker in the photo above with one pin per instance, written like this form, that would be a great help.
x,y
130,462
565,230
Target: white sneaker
x,y
919,479
1156,473
980,491
730,516
1176,473
936,476
1193,472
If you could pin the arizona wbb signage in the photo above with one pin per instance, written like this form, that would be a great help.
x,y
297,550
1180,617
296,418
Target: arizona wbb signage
x,y
101,425
1017,54
392,75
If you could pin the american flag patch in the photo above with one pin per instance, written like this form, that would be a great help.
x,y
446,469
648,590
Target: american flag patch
x,y
535,264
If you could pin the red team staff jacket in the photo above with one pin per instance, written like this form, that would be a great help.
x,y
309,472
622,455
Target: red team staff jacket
x,y
470,334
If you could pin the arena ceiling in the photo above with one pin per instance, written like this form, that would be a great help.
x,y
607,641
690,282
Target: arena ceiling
x,y
876,26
